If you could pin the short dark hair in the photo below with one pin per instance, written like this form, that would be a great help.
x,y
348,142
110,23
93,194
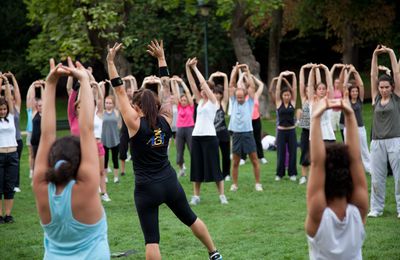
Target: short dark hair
x,y
338,181
68,149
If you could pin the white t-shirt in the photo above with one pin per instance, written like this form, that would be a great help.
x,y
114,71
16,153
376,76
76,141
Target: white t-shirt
x,y
338,239
268,141
7,132
97,126
204,125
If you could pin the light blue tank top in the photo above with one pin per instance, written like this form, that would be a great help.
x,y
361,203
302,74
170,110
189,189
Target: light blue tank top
x,y
67,238
29,120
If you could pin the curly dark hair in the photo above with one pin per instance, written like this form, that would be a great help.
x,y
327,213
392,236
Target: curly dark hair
x,y
68,149
338,181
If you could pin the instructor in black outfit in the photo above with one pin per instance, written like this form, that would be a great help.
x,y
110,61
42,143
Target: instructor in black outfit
x,y
156,183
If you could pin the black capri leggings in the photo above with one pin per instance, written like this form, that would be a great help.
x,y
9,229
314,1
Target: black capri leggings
x,y
148,198
114,155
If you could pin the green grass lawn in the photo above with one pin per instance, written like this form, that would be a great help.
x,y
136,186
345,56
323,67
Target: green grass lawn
x,y
254,225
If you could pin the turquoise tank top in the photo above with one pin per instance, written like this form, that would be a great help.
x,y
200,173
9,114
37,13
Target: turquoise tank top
x,y
67,238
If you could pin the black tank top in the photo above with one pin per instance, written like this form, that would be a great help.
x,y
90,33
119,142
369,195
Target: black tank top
x,y
36,131
286,115
149,152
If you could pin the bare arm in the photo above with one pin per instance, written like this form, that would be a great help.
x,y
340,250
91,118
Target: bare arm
x,y
8,95
334,67
189,66
204,86
187,93
302,81
395,69
17,93
328,78
311,84
70,81
130,116
374,74
260,87
278,100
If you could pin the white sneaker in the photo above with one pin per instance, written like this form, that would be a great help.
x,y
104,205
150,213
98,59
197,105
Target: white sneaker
x,y
30,174
234,187
227,178
105,197
277,178
106,180
109,170
303,180
223,199
398,215
293,178
374,214
17,189
116,180
195,200
242,162
181,173
128,158
259,187
263,161
183,166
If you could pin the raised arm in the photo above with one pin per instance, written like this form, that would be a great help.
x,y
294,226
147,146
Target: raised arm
x,y
234,76
278,100
70,82
395,69
190,64
374,73
316,200
260,87
358,80
187,93
130,116
334,67
99,97
294,88
328,78
175,87
311,84
204,86
359,196
302,81
17,93
165,99
8,94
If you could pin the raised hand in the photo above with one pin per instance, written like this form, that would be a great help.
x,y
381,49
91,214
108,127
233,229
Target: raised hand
x,y
156,49
191,62
113,51
78,70
56,71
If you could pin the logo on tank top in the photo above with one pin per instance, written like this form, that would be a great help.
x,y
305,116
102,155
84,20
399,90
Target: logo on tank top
x,y
158,139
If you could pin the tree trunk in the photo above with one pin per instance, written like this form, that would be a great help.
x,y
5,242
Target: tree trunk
x,y
275,35
243,51
349,50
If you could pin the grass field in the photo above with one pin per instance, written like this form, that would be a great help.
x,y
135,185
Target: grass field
x,y
254,225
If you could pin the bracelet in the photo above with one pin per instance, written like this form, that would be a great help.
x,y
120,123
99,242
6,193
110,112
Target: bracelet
x,y
116,82
163,71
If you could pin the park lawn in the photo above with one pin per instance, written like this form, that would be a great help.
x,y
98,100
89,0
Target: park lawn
x,y
254,225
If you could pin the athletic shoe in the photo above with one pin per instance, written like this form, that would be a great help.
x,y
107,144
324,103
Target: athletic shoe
x,y
1,220
398,215
242,162
122,173
106,180
181,173
374,214
259,187
293,178
195,200
105,197
234,187
215,255
183,167
30,174
263,161
223,199
17,189
227,178
128,158
116,180
277,178
8,219
303,180
109,170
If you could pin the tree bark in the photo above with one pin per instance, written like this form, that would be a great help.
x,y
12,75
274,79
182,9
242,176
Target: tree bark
x,y
350,51
275,35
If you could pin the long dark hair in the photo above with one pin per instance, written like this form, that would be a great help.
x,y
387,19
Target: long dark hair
x,y
149,104
64,160
3,101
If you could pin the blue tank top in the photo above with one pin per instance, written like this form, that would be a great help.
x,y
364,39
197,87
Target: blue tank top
x,y
29,120
67,238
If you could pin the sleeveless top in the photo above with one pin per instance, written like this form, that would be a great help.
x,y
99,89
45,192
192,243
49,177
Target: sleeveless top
x,y
67,238
17,127
97,126
338,239
286,115
109,134
326,126
256,110
204,125
36,130
7,132
29,120
149,150
220,125
304,121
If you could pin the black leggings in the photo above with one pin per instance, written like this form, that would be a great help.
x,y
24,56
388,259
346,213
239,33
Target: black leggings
x,y
225,148
19,151
148,198
114,155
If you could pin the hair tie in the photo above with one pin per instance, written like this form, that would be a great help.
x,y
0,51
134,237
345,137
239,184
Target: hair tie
x,y
58,164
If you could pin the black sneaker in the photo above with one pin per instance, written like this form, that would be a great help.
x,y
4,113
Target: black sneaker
x,y
122,174
215,255
1,220
10,219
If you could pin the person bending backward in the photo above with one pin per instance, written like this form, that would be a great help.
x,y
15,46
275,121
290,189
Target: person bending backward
x,y
155,180
322,90
224,140
337,194
205,165
286,137
356,95
385,144
8,153
66,178
240,124
304,124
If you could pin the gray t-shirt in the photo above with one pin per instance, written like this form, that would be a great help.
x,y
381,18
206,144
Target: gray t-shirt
x,y
386,121
109,134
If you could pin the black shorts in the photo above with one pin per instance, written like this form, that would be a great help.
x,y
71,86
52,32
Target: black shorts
x,y
305,147
8,174
148,198
243,143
